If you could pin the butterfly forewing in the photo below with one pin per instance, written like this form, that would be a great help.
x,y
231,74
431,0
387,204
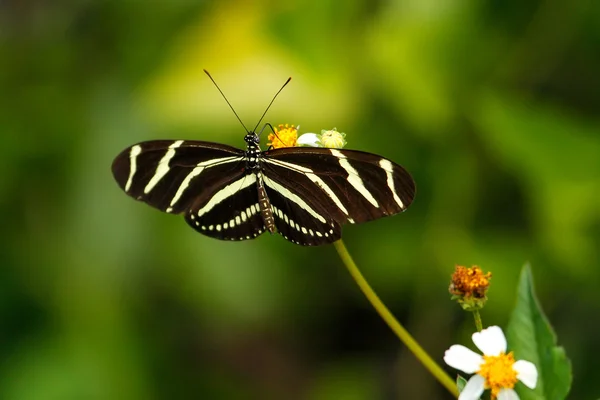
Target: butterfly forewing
x,y
352,186
172,175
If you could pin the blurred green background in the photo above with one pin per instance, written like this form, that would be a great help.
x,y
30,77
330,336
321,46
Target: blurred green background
x,y
493,107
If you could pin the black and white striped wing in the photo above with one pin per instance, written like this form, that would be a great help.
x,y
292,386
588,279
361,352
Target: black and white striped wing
x,y
206,181
230,213
301,214
322,189
173,175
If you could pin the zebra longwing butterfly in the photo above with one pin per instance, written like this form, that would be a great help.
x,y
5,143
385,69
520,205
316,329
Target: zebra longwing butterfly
x,y
305,194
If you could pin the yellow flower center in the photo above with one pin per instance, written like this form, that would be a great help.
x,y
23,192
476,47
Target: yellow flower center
x,y
284,136
498,372
470,282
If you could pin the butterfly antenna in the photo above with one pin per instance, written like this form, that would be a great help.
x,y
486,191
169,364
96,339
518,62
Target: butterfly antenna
x,y
228,103
272,130
269,106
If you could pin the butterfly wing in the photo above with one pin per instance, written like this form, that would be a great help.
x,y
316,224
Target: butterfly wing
x,y
330,187
172,175
230,213
206,181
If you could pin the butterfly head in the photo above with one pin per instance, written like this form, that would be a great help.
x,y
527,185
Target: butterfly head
x,y
252,139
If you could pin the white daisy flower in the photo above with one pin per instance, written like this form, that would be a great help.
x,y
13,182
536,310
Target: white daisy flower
x,y
308,139
495,370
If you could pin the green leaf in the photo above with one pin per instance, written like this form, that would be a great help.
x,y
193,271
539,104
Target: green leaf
x,y
532,338
460,383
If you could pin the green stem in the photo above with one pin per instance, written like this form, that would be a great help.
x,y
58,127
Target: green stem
x,y
393,323
477,318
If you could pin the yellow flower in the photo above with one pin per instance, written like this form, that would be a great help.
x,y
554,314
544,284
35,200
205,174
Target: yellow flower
x,y
469,287
284,136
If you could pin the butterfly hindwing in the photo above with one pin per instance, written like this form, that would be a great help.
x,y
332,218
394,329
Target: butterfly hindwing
x,y
299,218
230,213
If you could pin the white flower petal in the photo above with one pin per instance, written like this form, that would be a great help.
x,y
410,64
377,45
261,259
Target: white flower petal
x,y
462,358
308,139
473,389
526,373
490,341
507,394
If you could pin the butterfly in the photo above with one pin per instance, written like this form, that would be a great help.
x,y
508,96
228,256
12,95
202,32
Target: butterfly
x,y
305,194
